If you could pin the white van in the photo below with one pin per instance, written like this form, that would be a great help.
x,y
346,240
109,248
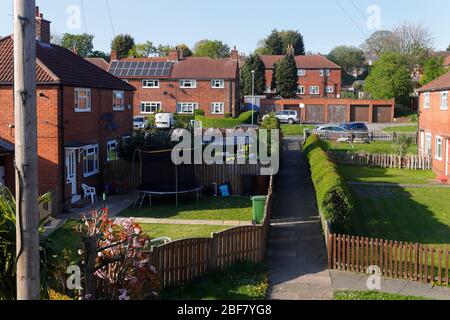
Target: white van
x,y
164,120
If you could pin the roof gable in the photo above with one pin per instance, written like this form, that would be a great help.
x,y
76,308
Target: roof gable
x,y
440,84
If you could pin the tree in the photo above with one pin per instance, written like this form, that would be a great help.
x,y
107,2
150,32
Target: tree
x,y
212,49
294,38
100,54
122,43
163,50
378,43
390,78
255,63
349,58
187,52
273,44
433,69
448,49
286,77
81,43
142,50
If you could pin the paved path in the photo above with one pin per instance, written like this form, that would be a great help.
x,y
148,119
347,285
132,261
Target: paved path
x,y
296,249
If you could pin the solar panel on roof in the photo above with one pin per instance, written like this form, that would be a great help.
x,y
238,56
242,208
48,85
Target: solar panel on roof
x,y
140,69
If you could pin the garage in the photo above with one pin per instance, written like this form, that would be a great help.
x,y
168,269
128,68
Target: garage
x,y
382,114
315,113
359,114
336,114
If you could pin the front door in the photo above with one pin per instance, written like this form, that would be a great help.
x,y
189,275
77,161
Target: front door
x,y
71,172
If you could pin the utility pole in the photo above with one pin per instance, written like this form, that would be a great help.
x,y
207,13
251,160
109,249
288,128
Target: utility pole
x,y
27,214
253,97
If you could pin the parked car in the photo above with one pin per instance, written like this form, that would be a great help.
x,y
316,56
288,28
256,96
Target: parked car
x,y
139,123
355,127
330,128
287,116
164,120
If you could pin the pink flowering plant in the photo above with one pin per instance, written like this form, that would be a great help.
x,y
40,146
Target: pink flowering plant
x,y
116,259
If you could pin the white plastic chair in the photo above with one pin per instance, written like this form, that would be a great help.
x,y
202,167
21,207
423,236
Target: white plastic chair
x,y
89,192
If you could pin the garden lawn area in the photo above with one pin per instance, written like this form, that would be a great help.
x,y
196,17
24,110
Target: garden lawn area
x,y
371,295
246,281
295,129
209,208
381,175
409,128
373,147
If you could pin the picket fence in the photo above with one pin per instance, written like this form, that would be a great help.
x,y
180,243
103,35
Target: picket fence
x,y
382,160
398,260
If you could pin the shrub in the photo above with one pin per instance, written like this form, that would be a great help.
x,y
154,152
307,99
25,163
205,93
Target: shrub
x,y
183,120
333,197
199,112
227,123
271,122
228,115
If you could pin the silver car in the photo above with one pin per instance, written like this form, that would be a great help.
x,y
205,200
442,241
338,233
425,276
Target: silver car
x,y
288,116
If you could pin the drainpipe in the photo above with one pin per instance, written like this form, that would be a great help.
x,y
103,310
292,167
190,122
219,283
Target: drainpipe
x,y
63,151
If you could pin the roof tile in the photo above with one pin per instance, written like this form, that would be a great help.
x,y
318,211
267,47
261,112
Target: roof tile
x,y
303,62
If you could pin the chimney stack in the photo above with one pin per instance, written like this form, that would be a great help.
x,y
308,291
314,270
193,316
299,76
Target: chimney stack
x,y
114,55
290,50
234,54
174,55
42,27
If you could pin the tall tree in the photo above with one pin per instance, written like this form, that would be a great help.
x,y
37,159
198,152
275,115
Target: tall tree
x,y
448,49
122,43
273,44
142,50
253,63
100,54
294,38
433,69
212,49
390,78
81,43
187,52
378,43
286,77
351,59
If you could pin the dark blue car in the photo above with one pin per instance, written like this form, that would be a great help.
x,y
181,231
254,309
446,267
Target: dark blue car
x,y
355,127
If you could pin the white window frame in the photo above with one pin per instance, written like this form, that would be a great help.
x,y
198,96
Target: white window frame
x,y
110,146
91,151
218,84
426,100
146,83
182,105
444,100
122,106
330,89
439,141
422,141
87,98
191,81
301,90
221,105
301,72
150,104
312,91
428,144
328,72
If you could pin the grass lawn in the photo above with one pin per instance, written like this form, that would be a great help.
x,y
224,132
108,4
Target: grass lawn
x,y
245,281
372,295
373,147
409,128
209,208
381,175
295,129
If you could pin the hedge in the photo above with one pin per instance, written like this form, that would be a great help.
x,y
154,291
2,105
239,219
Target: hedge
x,y
226,123
333,196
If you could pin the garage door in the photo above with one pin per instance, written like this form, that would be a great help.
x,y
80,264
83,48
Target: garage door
x,y
382,114
315,113
336,114
359,114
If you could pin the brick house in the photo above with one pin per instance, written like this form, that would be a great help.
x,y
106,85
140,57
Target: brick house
x,y
181,85
434,123
82,111
317,76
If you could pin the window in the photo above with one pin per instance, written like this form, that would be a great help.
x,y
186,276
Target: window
x,y
330,89
217,107
218,84
428,144
152,83
301,90
439,144
444,100
422,141
150,107
90,161
301,72
187,107
82,100
325,72
118,100
188,83
314,90
111,148
426,100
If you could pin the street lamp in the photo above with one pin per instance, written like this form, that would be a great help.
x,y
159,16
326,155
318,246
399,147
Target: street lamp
x,y
253,96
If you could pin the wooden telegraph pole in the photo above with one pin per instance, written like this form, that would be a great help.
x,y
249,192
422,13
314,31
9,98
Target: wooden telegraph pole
x,y
27,213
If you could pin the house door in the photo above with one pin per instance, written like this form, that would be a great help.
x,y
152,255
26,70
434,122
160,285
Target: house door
x,y
71,172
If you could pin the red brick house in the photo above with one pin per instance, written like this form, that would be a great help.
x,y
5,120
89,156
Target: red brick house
x,y
317,76
82,111
181,85
434,123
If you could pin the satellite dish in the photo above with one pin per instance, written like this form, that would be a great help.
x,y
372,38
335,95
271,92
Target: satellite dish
x,y
107,117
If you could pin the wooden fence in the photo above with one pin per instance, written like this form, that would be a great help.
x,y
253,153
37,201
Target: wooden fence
x,y
398,260
182,261
382,160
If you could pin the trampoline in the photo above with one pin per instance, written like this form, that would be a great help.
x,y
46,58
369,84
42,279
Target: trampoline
x,y
161,177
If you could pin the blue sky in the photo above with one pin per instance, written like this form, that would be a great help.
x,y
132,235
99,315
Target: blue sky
x,y
324,24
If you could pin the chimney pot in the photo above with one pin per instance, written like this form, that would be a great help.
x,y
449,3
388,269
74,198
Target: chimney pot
x,y
42,27
234,54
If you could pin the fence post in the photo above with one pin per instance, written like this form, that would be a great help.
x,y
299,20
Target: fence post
x,y
213,263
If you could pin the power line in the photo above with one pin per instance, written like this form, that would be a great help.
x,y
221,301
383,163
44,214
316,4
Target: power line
x,y
351,18
84,17
110,18
358,9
